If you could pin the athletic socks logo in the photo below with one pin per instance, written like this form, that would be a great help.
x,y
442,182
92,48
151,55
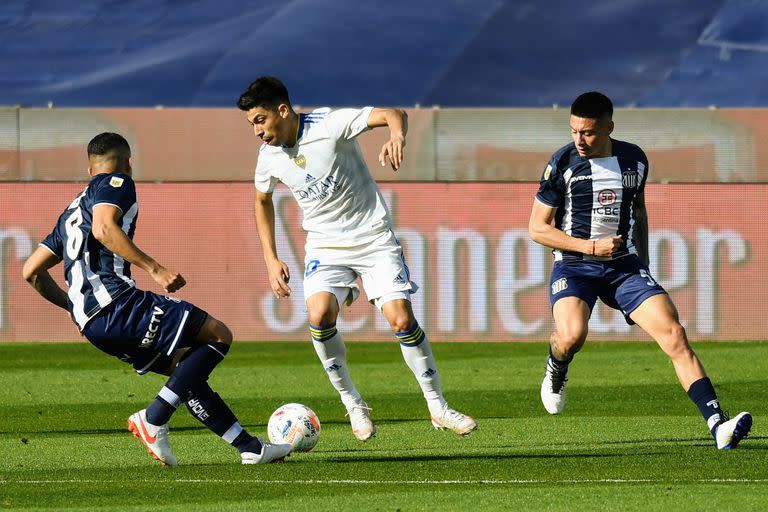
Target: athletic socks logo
x,y
334,367
430,372
197,409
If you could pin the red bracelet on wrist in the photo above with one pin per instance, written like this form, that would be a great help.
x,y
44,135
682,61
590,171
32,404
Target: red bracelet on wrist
x,y
593,247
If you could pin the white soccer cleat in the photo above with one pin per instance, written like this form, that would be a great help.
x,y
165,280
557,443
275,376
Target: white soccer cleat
x,y
729,433
360,418
452,419
553,388
269,453
154,437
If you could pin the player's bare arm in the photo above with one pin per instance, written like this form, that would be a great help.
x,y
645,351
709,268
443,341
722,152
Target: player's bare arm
x,y
277,270
397,120
36,273
542,230
107,231
640,230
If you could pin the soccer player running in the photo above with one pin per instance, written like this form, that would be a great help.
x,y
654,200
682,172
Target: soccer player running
x,y
349,235
590,209
154,333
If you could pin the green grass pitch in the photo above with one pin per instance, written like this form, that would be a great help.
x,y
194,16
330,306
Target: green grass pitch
x,y
629,438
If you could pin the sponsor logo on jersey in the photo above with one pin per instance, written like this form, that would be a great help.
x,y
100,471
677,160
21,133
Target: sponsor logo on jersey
x,y
116,182
319,190
154,326
547,172
606,197
559,285
301,161
629,179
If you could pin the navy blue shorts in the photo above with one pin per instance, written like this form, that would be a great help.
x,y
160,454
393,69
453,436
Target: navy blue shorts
x,y
622,284
143,329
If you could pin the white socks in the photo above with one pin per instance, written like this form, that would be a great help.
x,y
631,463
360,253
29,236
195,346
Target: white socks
x,y
418,356
333,356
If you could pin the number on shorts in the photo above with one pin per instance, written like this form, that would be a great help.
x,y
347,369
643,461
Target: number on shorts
x,y
650,281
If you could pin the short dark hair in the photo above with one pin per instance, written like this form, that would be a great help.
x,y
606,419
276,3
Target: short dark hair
x,y
105,142
592,105
266,91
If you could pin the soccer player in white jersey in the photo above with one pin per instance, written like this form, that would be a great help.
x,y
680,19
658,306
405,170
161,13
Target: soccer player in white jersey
x,y
349,235
590,210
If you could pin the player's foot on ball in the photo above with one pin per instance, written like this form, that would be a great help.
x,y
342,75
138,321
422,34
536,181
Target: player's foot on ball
x,y
451,419
154,437
269,453
730,432
553,388
360,418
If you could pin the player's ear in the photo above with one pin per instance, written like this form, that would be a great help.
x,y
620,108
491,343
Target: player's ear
x,y
610,127
283,110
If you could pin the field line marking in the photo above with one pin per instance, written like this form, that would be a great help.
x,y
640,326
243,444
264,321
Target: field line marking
x,y
407,482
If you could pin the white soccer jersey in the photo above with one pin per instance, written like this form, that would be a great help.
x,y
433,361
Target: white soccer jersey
x,y
327,174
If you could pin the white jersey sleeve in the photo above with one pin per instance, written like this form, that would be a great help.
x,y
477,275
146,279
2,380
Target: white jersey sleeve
x,y
263,179
348,123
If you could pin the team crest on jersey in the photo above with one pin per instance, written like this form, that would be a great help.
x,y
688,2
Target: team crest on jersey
x,y
301,161
116,182
629,179
547,172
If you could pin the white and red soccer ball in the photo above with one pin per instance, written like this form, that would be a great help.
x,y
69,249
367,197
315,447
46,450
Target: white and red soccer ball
x,y
295,424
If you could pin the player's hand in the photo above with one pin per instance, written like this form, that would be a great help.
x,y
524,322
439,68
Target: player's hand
x,y
169,280
608,245
392,150
279,275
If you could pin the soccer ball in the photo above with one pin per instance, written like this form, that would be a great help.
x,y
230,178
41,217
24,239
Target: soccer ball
x,y
295,424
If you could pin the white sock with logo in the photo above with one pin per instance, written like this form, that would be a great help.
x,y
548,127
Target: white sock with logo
x,y
333,355
422,363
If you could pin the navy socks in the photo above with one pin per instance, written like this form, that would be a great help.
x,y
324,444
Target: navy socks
x,y
196,367
703,395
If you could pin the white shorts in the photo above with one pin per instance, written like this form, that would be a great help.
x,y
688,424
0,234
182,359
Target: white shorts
x,y
379,265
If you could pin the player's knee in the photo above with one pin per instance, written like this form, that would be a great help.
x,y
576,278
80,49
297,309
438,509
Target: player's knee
x,y
570,341
215,331
322,318
676,342
402,322
224,335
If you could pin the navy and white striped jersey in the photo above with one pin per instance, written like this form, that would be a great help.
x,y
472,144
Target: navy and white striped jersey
x,y
594,197
94,274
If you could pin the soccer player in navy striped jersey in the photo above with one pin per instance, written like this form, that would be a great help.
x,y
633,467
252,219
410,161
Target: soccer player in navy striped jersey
x,y
590,210
349,235
152,332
